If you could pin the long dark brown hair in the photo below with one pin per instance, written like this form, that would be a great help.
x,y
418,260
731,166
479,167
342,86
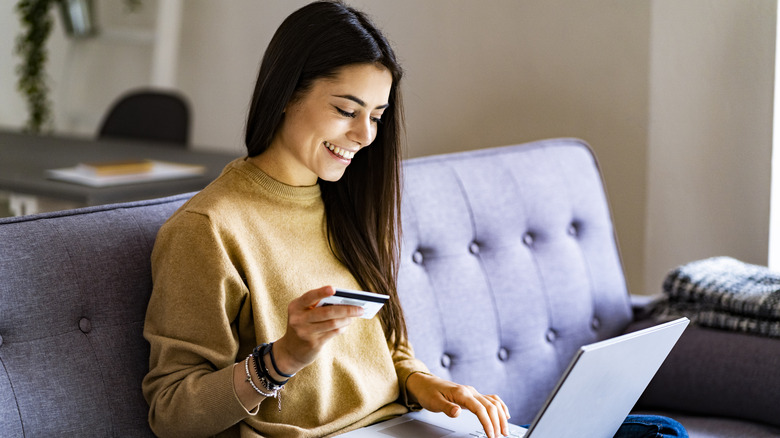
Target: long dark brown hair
x,y
363,207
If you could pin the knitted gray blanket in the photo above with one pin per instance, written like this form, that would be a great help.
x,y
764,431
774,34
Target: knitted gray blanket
x,y
725,293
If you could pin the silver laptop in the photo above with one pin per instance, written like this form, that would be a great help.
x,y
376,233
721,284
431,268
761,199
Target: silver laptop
x,y
595,394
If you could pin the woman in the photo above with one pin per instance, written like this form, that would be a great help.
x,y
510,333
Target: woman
x,y
310,208
239,269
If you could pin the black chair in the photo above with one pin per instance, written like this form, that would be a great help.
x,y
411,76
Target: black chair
x,y
154,115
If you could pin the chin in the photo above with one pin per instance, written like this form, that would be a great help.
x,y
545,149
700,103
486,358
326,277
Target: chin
x,y
332,177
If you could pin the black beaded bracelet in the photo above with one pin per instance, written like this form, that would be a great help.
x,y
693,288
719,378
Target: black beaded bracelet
x,y
273,362
263,379
260,367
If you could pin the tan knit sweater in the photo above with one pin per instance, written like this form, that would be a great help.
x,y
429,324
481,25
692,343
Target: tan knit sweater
x,y
225,266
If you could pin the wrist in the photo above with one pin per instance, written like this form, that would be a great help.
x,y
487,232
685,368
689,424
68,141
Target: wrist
x,y
414,384
285,364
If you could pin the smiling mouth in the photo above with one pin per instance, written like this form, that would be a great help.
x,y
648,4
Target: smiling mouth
x,y
343,153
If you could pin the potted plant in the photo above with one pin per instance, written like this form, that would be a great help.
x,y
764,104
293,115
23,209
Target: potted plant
x,y
78,17
31,46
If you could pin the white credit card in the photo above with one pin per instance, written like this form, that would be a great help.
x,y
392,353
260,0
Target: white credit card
x,y
369,301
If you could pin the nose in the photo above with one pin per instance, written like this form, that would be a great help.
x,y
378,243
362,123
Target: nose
x,y
363,131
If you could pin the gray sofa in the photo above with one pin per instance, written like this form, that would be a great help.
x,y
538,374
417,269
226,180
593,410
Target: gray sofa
x,y
509,263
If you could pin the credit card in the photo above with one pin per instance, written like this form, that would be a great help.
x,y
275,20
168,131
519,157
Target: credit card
x,y
369,301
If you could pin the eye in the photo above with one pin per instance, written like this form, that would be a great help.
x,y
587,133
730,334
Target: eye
x,y
345,113
376,120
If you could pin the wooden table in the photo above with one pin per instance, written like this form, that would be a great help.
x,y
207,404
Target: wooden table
x,y
25,158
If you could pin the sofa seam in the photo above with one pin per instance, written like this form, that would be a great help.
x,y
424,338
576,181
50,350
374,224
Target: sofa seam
x,y
95,209
13,392
427,277
537,269
5,341
104,382
498,150
491,289
580,249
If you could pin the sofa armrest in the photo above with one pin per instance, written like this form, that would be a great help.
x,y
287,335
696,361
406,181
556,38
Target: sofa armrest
x,y
718,372
645,305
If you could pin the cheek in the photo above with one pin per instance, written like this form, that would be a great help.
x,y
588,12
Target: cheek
x,y
327,126
374,133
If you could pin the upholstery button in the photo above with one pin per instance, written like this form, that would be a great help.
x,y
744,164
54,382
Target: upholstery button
x,y
417,257
503,354
551,336
85,325
474,248
595,324
446,360
573,230
528,239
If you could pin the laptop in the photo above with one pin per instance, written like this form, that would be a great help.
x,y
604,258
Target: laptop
x,y
593,397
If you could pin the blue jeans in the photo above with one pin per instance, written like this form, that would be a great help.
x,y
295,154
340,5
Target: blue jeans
x,y
650,426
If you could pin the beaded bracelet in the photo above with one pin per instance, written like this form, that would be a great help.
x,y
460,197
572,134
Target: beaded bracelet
x,y
273,362
275,392
252,382
262,370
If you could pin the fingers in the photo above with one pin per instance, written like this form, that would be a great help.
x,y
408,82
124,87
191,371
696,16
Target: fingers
x,y
502,411
487,414
439,395
310,327
310,299
326,313
496,399
489,409
451,409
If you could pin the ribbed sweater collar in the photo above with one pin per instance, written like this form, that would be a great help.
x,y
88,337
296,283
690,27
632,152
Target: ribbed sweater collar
x,y
275,187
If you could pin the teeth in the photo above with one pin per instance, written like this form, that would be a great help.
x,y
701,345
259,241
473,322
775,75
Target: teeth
x,y
340,152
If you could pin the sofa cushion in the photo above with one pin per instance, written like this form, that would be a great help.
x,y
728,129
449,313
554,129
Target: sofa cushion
x,y
508,265
718,372
72,351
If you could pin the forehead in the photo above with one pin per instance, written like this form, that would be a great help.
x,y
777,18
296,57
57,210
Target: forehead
x,y
369,82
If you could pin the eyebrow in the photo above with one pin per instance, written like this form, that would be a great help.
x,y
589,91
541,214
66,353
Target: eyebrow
x,y
359,101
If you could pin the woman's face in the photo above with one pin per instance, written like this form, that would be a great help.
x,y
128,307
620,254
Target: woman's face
x,y
327,125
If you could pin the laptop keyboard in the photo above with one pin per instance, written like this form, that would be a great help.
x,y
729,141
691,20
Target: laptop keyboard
x,y
514,433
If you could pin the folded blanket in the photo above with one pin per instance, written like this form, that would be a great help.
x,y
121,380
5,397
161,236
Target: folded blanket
x,y
725,293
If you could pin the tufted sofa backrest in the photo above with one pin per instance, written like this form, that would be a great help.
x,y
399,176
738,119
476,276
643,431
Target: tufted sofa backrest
x,y
508,265
74,287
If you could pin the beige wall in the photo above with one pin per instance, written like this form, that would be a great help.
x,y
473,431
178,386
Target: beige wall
x,y
712,75
498,72
85,75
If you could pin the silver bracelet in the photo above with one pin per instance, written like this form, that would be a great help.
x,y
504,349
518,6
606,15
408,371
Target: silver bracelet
x,y
274,393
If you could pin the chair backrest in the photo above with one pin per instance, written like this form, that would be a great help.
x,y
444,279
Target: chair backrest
x,y
508,265
154,115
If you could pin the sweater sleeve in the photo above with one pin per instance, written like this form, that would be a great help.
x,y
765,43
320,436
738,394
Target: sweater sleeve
x,y
190,325
406,365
